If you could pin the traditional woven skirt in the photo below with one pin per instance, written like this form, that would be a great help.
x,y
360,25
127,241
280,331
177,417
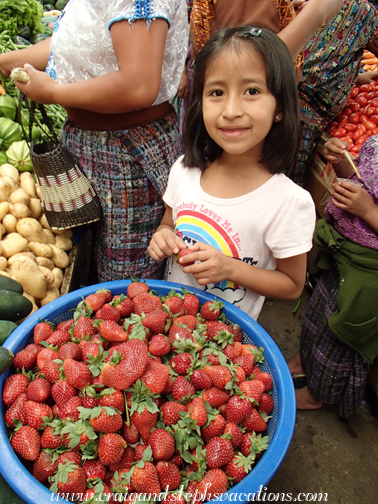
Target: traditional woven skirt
x,y
129,170
336,374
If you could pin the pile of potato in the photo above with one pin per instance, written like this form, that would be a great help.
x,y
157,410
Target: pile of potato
x,y
30,252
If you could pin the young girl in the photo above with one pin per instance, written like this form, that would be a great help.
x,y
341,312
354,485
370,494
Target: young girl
x,y
339,337
248,226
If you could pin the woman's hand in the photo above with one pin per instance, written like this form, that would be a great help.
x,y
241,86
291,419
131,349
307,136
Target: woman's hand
x,y
366,78
39,88
353,198
334,149
212,266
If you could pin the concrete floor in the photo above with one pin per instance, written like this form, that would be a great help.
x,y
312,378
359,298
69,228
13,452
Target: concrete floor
x,y
328,456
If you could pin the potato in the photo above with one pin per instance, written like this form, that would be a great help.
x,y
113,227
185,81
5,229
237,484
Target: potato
x,y
20,196
35,208
50,236
4,273
35,307
3,263
45,261
2,231
65,232
52,293
49,275
31,229
27,273
4,209
60,258
8,170
19,210
5,190
27,183
38,191
13,243
1,251
63,242
44,223
16,256
10,223
41,249
13,184
58,274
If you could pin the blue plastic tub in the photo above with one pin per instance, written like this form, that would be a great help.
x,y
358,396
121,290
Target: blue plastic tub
x,y
280,426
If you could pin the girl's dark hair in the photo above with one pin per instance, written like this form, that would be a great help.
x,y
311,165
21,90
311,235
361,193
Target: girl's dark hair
x,y
281,144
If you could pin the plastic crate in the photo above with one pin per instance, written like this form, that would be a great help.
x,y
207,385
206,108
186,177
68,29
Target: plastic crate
x,y
280,427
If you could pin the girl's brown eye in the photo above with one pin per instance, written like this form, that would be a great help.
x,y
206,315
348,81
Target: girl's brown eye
x,y
251,91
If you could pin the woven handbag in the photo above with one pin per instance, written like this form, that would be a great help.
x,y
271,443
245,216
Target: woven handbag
x,y
68,198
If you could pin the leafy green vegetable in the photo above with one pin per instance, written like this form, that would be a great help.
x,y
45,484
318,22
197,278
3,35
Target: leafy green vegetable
x,y
16,14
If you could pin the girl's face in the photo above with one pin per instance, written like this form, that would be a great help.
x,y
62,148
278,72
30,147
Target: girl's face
x,y
238,110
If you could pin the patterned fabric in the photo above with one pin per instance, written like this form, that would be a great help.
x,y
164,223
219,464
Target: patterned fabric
x,y
129,171
332,60
81,45
336,374
350,226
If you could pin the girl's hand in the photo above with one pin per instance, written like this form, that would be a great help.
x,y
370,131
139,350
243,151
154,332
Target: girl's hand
x,y
353,198
165,243
366,77
213,265
333,150
39,88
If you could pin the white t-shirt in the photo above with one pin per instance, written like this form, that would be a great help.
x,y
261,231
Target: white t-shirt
x,y
275,221
81,45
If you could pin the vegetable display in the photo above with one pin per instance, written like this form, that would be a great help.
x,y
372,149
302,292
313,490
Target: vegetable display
x,y
139,394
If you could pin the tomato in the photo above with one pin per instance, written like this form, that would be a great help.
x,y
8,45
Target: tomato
x,y
357,134
354,92
343,123
349,135
332,126
355,149
347,111
366,88
369,110
341,117
362,139
349,140
374,118
363,119
350,127
374,102
371,95
338,132
375,131
361,100
370,125
354,106
354,118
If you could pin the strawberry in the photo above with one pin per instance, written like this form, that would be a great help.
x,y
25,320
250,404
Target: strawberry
x,y
182,389
200,380
178,332
69,479
215,396
155,376
214,327
94,469
219,452
70,410
130,433
77,373
107,421
211,309
70,456
214,483
59,338
220,375
49,440
52,371
42,331
181,363
139,450
238,409
255,371
108,312
96,301
124,369
253,389
246,362
17,411
145,479
144,422
175,305
34,348
214,429
170,412
36,412
169,475
255,422
197,411
162,444
61,392
237,332
84,328
111,448
44,467
26,442
46,355
266,403
69,351
39,390
146,303
267,380
238,467
124,305
234,434
14,386
253,444
183,253
136,287
111,331
188,321
24,359
155,321
99,493
114,400
191,303
159,345
65,325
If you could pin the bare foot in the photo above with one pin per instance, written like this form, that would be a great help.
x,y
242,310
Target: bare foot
x,y
295,365
306,401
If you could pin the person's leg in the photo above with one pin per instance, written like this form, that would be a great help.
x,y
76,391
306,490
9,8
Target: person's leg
x,y
305,400
295,365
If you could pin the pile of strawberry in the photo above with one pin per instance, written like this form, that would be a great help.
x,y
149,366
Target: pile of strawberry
x,y
139,394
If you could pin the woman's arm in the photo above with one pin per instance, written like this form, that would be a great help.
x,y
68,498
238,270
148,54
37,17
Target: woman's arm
x,y
36,55
139,51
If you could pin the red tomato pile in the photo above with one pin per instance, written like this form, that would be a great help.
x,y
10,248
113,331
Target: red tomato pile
x,y
359,118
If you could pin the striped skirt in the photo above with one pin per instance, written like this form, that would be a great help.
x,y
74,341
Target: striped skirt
x,y
129,171
336,374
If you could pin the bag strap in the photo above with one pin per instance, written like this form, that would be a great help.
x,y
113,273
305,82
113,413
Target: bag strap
x,y
31,107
